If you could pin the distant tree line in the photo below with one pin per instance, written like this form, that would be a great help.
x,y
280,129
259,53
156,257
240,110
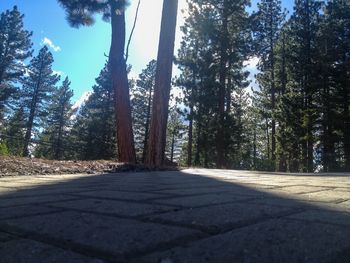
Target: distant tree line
x,y
297,117
32,102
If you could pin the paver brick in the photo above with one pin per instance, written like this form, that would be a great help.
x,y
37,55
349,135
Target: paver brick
x,y
25,250
113,207
110,234
24,210
221,217
272,241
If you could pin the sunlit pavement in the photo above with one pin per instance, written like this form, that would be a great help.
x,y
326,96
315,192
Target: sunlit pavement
x,y
195,215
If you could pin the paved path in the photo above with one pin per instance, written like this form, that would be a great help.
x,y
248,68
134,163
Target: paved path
x,y
195,215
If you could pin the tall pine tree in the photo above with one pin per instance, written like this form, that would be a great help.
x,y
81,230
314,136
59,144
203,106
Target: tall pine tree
x,y
54,137
142,107
93,133
81,13
269,18
15,47
36,93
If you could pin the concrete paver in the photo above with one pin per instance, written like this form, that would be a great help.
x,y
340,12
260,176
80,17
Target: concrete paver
x,y
27,200
119,195
24,250
113,207
106,234
196,215
24,210
226,216
271,241
203,200
327,196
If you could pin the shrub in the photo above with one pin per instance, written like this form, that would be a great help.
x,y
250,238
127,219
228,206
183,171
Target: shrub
x,y
3,149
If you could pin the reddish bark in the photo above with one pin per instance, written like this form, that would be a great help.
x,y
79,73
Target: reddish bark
x,y
157,137
117,65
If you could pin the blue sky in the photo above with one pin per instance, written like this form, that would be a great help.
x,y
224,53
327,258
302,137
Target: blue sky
x,y
79,53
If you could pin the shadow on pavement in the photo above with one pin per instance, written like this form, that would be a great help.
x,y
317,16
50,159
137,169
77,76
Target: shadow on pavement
x,y
190,216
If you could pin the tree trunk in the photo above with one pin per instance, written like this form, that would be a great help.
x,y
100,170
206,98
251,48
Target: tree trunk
x,y
254,149
198,137
190,125
282,162
346,127
58,151
172,145
148,117
117,66
220,147
157,138
29,126
273,105
294,159
190,133
304,149
32,114
267,138
310,139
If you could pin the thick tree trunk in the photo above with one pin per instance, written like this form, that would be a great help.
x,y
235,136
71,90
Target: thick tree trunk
x,y
157,138
117,66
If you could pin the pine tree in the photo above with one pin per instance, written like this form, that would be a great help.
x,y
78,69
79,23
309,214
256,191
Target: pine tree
x,y
339,12
93,135
36,93
81,13
188,61
15,47
211,56
281,86
175,133
142,107
269,19
14,133
305,23
58,122
334,96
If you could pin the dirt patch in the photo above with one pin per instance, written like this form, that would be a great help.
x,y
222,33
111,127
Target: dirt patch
x,y
10,166
13,166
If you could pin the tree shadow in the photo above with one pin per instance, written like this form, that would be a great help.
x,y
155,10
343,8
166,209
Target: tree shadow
x,y
189,216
